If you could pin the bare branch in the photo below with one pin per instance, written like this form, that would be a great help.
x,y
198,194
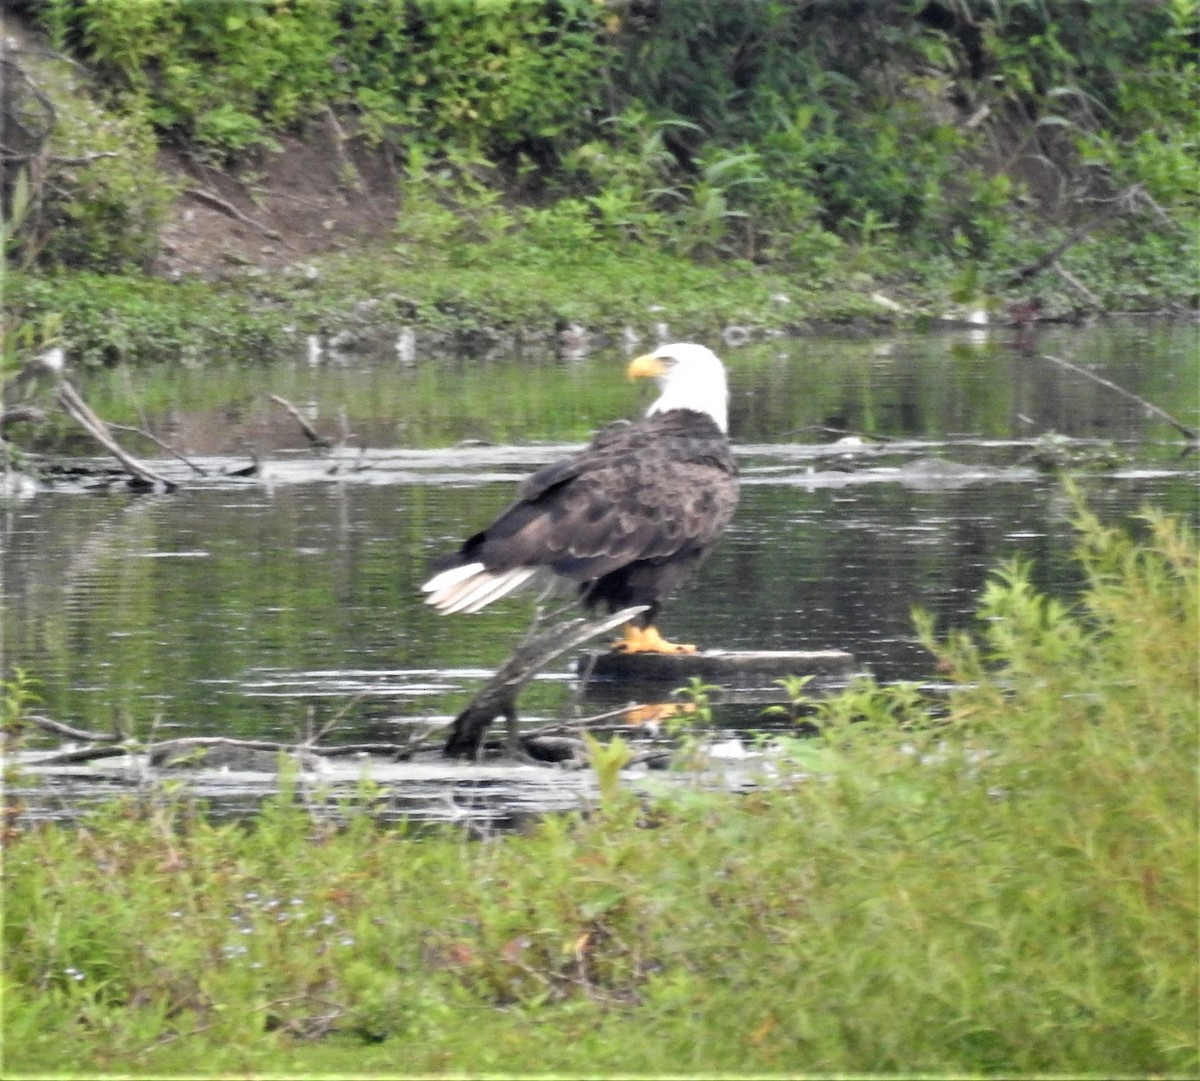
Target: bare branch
x,y
1120,203
1030,270
83,159
498,696
1077,285
20,414
558,728
81,413
227,208
81,754
61,728
158,443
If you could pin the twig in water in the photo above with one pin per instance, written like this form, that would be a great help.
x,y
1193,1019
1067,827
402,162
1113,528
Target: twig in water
x,y
1188,433
160,444
61,728
309,432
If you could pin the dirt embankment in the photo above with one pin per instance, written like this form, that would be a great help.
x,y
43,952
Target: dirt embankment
x,y
317,193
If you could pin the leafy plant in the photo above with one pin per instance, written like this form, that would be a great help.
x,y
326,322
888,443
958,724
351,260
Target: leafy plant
x,y
17,693
798,698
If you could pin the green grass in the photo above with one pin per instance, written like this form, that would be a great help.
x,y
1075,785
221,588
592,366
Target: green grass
x,y
1002,886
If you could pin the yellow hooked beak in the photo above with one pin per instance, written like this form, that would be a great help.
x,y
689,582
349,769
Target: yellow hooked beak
x,y
647,367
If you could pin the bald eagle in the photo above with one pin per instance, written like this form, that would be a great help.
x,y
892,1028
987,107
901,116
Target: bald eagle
x,y
627,519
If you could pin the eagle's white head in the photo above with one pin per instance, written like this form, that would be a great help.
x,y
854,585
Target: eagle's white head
x,y
690,376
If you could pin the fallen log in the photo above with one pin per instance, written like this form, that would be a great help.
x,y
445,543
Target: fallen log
x,y
749,667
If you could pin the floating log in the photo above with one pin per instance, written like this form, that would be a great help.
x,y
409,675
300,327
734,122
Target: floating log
x,y
754,668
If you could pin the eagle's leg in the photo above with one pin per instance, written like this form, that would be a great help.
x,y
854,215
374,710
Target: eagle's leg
x,y
648,640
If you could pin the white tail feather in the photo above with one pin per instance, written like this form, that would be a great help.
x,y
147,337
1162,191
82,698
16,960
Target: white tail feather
x,y
472,587
451,577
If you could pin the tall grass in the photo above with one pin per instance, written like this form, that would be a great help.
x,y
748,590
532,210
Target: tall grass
x,y
1002,886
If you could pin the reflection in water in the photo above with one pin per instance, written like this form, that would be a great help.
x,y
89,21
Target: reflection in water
x,y
243,608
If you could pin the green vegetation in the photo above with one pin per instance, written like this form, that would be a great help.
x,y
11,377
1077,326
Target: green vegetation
x,y
1002,884
561,156
91,194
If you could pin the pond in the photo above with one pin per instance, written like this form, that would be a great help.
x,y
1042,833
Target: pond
x,y
266,606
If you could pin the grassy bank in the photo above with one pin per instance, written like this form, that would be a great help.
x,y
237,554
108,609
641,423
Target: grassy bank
x,y
1004,888
457,298
517,289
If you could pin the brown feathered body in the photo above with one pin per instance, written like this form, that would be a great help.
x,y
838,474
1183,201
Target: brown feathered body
x,y
628,518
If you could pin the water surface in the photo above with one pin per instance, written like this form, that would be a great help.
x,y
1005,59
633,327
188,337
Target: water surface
x,y
261,606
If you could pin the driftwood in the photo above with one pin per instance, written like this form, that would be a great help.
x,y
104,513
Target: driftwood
x,y
498,696
1188,433
80,412
98,745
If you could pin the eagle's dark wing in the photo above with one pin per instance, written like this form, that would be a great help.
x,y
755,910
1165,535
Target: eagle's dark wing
x,y
643,491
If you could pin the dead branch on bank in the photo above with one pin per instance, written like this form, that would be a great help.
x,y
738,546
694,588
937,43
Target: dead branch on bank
x,y
498,696
1188,433
1124,202
80,412
227,208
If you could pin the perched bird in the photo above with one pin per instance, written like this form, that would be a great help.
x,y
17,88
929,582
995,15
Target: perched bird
x,y
627,519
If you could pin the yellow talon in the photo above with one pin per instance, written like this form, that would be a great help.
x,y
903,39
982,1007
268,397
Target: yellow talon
x,y
648,640
653,712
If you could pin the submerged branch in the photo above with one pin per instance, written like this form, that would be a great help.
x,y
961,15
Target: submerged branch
x,y
1188,433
